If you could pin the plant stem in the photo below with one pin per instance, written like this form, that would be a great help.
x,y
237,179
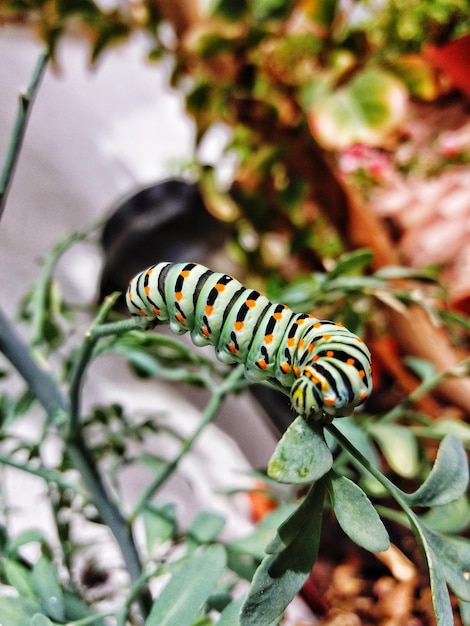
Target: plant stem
x,y
49,395
218,396
26,99
48,475
83,360
39,381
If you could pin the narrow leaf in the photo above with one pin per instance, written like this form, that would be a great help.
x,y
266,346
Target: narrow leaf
x,y
230,616
41,620
188,589
453,557
356,514
301,456
19,577
439,591
48,590
282,574
399,446
206,526
159,523
17,611
448,479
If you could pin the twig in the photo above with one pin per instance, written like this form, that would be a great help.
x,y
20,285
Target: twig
x,y
19,129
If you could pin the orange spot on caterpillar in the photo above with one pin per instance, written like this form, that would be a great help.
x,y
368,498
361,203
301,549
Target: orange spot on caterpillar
x,y
285,367
262,364
208,309
238,325
301,343
142,312
268,338
180,318
310,347
130,294
250,303
316,357
317,325
205,332
149,271
299,322
329,401
147,290
290,342
330,353
232,348
358,339
363,395
296,370
185,273
178,295
155,310
350,361
277,316
219,287
361,374
326,337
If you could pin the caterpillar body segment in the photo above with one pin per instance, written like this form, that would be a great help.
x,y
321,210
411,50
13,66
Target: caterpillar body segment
x,y
325,368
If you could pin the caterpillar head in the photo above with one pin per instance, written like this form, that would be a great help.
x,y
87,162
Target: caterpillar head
x,y
318,395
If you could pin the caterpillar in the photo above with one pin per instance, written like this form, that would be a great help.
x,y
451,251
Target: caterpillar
x,y
324,367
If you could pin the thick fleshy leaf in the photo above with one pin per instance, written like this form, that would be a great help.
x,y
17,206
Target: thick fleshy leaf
x,y
205,527
452,518
41,620
399,446
448,479
283,572
301,456
230,616
19,577
356,514
189,587
159,523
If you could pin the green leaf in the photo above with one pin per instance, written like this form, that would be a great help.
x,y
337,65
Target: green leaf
x,y
46,585
465,612
232,10
205,527
448,479
254,544
230,615
356,515
351,262
19,577
422,368
17,611
283,572
159,523
188,589
452,556
447,426
399,446
449,518
301,456
439,592
41,620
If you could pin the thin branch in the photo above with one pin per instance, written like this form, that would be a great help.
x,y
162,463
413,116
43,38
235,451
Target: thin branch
x,y
41,384
26,100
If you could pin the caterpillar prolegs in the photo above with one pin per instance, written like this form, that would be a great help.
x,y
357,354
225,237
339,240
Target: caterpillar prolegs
x,y
325,368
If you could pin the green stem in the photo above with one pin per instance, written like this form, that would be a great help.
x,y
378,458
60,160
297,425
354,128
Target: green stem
x,y
41,384
49,395
41,293
395,492
48,475
117,328
424,388
217,398
19,129
82,361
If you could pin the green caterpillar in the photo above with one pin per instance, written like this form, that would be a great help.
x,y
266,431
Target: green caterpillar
x,y
325,368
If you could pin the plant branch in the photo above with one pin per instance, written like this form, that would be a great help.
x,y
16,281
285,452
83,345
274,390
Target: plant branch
x,y
39,381
26,100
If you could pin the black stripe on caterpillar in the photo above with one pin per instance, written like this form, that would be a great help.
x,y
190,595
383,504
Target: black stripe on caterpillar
x,y
324,367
